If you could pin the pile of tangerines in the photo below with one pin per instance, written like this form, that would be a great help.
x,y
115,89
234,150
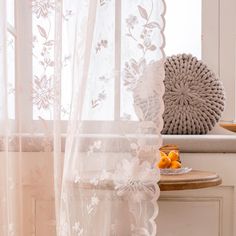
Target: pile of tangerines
x,y
170,160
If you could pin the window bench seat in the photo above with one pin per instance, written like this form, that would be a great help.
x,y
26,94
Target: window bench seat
x,y
211,143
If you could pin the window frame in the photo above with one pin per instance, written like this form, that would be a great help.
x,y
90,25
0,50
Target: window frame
x,y
218,40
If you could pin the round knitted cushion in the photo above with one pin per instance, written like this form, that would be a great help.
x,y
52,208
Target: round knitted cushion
x,y
194,97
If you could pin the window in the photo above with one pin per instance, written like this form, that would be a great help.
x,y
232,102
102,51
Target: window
x,y
36,63
183,30
192,26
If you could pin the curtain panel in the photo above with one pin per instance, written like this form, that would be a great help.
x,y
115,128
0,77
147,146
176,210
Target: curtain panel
x,y
83,79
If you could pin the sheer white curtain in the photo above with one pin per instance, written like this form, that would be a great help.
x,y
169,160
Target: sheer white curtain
x,y
100,64
109,182
30,101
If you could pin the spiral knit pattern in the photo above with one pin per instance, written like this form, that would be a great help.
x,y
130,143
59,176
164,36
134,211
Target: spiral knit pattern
x,y
194,97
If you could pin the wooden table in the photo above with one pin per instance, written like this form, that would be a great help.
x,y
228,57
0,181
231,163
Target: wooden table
x,y
193,180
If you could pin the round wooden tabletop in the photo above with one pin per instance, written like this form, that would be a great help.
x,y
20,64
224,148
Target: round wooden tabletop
x,y
195,179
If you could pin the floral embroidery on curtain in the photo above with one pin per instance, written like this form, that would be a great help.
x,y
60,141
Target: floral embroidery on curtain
x,y
109,180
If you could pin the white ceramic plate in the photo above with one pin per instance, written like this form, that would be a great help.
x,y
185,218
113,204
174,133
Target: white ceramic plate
x,y
179,171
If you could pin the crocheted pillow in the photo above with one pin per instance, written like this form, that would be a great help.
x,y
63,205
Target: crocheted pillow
x,y
194,97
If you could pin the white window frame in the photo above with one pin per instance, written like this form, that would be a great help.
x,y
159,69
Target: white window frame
x,y
219,47
12,30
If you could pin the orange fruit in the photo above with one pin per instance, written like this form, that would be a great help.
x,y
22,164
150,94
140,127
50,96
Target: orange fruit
x,y
164,162
174,155
175,165
162,154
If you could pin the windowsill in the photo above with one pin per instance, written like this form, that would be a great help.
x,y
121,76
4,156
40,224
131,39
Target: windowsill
x,y
220,141
214,143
